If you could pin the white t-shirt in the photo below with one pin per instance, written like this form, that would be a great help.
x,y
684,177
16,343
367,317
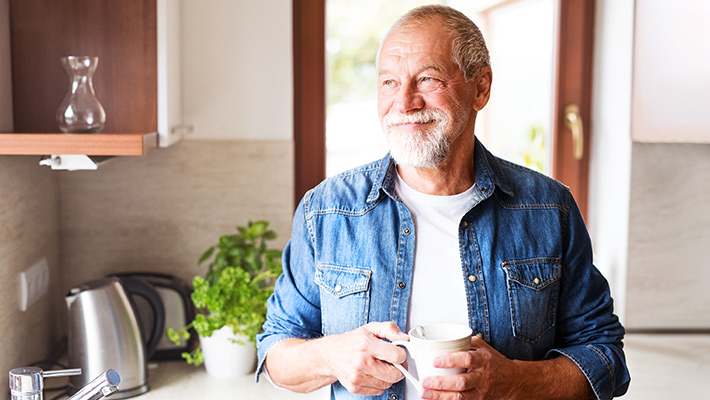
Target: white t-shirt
x,y
438,288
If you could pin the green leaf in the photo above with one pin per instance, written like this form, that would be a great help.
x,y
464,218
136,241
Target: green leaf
x,y
173,336
243,231
206,255
258,228
195,358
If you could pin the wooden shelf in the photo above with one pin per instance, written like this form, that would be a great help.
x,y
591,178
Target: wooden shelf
x,y
91,144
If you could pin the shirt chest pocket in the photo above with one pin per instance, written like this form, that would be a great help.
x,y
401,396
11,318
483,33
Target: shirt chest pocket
x,y
533,289
345,297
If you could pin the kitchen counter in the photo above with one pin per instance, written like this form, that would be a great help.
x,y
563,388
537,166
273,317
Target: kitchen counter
x,y
662,366
668,366
171,380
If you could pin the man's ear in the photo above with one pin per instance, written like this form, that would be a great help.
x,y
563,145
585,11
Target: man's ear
x,y
482,88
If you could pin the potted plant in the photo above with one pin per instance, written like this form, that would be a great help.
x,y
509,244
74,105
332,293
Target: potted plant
x,y
232,298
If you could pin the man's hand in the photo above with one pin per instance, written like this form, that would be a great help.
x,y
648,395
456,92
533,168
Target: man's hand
x,y
356,358
490,375
360,359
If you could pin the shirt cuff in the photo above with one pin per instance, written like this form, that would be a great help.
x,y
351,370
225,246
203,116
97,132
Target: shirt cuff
x,y
597,363
264,345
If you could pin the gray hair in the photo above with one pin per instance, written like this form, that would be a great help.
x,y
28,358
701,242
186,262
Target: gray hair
x,y
468,47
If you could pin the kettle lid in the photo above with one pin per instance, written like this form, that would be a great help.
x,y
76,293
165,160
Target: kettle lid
x,y
97,284
91,285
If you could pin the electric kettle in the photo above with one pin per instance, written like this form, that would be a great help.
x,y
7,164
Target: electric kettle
x,y
105,332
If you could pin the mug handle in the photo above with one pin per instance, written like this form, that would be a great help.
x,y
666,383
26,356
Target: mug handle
x,y
404,371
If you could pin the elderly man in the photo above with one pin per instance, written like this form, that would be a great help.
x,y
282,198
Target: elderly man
x,y
441,231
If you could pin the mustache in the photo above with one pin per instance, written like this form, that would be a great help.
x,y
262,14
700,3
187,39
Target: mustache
x,y
419,117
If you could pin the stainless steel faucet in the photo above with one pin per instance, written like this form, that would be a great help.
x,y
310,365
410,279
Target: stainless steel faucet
x,y
27,383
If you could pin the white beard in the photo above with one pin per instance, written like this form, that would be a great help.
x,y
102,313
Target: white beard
x,y
425,148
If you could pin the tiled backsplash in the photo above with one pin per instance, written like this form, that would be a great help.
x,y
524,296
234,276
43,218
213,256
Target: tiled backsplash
x,y
160,212
669,236
29,230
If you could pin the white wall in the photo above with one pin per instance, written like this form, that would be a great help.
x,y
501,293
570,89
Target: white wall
x,y
610,164
237,69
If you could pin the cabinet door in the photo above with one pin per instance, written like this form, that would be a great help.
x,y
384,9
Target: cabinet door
x,y
671,83
170,127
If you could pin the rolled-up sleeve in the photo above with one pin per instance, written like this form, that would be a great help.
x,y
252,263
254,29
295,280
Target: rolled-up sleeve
x,y
588,331
294,307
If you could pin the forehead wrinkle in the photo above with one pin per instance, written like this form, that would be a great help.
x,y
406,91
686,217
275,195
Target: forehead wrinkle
x,y
427,67
405,46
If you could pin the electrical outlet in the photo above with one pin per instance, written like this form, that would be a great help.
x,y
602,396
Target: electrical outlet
x,y
34,282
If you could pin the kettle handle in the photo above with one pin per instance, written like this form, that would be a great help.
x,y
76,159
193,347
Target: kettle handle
x,y
141,288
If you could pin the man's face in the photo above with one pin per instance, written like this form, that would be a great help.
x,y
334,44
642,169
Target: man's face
x,y
424,103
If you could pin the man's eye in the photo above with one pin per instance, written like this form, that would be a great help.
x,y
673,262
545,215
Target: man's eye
x,y
388,82
429,83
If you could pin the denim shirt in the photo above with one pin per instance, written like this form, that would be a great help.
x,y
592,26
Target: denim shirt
x,y
526,257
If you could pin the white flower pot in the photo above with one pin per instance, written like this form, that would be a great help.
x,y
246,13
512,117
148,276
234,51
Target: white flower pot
x,y
226,359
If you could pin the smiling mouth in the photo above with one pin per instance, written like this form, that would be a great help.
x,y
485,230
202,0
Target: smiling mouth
x,y
409,121
418,123
413,125
416,120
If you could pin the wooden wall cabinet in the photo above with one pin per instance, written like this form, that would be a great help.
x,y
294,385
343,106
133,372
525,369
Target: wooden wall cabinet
x,y
137,79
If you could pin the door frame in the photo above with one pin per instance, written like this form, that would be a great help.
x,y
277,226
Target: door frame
x,y
573,85
309,95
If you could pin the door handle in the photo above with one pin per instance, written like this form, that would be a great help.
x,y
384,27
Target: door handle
x,y
573,122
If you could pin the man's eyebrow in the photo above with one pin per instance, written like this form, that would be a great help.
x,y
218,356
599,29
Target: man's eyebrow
x,y
432,66
381,71
427,67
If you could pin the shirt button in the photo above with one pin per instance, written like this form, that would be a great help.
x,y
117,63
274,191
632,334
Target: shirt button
x,y
401,285
536,281
338,288
464,224
394,396
407,231
472,278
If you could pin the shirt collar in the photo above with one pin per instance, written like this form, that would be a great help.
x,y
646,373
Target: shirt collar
x,y
488,175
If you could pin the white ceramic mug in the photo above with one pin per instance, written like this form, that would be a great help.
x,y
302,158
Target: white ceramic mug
x,y
438,339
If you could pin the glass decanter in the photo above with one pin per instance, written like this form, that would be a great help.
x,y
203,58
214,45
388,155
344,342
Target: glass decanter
x,y
80,111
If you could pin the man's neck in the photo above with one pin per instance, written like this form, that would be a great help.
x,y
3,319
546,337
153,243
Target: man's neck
x,y
443,180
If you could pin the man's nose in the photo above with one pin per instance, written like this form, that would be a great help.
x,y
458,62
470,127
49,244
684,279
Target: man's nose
x,y
409,99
